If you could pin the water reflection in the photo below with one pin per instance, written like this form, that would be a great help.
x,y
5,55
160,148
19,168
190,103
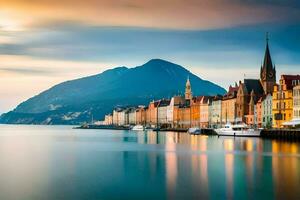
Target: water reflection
x,y
79,164
244,159
286,170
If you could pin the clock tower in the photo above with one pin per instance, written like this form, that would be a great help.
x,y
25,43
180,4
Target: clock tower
x,y
268,71
188,90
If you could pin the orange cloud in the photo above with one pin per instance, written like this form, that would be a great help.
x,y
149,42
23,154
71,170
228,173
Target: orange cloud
x,y
176,14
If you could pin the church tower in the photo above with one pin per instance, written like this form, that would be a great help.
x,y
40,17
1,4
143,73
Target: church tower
x,y
267,71
188,90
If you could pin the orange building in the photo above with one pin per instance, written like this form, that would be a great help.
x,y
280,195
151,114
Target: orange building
x,y
141,115
184,116
195,111
152,113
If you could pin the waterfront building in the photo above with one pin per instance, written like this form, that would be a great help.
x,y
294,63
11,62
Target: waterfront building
x,y
261,87
215,112
182,108
184,116
162,112
108,119
132,116
123,117
250,117
116,115
141,115
258,112
282,103
152,113
195,111
204,111
247,89
229,105
267,111
296,102
172,110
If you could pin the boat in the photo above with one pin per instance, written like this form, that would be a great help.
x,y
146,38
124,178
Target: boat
x,y
238,130
194,131
138,128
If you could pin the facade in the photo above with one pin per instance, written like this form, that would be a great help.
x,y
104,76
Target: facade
x,y
116,115
296,102
250,87
250,117
172,110
152,113
282,107
204,111
258,113
108,119
184,116
162,112
131,116
195,111
267,112
141,115
229,105
215,112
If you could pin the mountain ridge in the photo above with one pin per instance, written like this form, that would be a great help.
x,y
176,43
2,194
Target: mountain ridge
x,y
75,101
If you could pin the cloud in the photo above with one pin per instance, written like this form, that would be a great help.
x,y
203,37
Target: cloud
x,y
174,14
27,71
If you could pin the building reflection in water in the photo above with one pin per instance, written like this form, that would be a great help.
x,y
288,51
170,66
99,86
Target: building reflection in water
x,y
285,170
170,140
199,163
244,158
229,167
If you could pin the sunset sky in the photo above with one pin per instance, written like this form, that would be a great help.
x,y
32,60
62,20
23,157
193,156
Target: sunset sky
x,y
45,42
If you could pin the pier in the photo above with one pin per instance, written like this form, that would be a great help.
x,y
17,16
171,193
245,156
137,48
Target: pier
x,y
284,134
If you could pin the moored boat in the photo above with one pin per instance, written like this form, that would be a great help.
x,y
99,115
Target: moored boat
x,y
238,130
138,128
194,131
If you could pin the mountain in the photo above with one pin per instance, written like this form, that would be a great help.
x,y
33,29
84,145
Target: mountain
x,y
76,101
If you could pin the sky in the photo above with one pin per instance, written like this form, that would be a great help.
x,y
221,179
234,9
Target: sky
x,y
45,42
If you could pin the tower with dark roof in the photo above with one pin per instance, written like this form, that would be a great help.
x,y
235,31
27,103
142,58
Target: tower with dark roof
x,y
268,71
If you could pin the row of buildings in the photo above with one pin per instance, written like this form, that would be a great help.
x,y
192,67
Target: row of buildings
x,y
257,102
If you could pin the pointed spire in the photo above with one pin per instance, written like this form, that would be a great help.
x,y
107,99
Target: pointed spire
x,y
267,64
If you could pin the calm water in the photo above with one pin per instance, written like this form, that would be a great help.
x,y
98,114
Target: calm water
x,y
58,162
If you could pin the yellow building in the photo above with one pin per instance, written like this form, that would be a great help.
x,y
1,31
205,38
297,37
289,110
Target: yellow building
x,y
282,106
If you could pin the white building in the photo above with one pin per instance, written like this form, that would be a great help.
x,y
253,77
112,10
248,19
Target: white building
x,y
215,112
296,102
132,116
108,119
163,111
267,112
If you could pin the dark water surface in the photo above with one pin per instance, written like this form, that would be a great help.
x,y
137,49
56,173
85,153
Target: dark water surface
x,y
58,162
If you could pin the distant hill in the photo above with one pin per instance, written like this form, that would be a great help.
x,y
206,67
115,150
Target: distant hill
x,y
76,101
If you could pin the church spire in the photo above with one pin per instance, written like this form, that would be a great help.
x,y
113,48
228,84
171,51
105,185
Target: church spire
x,y
188,90
267,64
267,71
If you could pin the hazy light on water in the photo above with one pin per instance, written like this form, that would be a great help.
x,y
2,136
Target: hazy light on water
x,y
57,162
